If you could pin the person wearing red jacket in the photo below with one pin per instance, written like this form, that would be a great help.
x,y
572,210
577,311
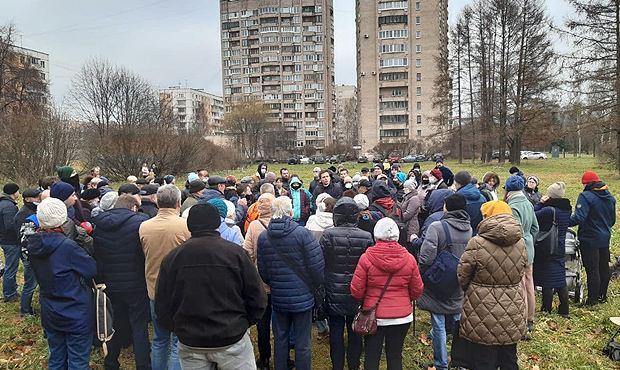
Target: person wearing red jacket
x,y
394,313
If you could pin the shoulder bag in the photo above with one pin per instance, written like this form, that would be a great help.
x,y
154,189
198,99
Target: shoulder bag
x,y
365,321
547,241
441,278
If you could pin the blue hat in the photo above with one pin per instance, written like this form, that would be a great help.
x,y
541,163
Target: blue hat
x,y
168,179
192,176
61,190
222,208
514,183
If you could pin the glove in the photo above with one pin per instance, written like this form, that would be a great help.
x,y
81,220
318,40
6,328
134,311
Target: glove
x,y
87,227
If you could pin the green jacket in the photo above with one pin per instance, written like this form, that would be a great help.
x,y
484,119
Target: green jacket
x,y
523,211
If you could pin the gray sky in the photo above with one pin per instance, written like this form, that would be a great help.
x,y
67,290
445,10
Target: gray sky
x,y
167,42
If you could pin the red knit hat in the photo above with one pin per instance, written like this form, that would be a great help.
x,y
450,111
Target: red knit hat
x,y
589,177
436,173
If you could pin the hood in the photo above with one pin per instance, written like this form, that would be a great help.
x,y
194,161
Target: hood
x,y
388,256
437,199
229,222
322,221
380,190
261,175
503,230
43,244
458,219
264,208
113,219
470,192
560,203
345,212
386,202
295,180
599,189
281,227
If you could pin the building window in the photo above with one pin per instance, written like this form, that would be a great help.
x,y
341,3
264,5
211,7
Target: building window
x,y
397,92
418,119
395,48
418,63
397,62
419,133
392,19
418,34
419,106
418,76
417,5
417,20
398,118
393,34
392,76
418,49
418,90
393,5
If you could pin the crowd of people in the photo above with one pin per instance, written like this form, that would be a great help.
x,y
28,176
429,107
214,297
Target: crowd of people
x,y
207,263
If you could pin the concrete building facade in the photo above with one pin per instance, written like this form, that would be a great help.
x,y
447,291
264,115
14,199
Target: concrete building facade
x,y
281,52
346,127
38,60
397,46
193,108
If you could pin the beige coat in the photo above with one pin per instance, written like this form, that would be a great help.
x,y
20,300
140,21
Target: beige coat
x,y
159,236
256,228
490,273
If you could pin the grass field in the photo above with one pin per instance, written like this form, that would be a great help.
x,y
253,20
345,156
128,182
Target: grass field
x,y
556,343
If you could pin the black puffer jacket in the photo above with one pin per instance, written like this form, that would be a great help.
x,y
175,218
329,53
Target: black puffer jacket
x,y
343,246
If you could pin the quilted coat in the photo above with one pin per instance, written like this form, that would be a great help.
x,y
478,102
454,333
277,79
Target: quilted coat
x,y
288,291
411,207
343,246
490,274
372,272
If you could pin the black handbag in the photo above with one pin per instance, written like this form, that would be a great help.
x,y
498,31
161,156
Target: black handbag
x,y
547,241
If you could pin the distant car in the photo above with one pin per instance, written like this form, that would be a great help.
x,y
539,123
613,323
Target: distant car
x,y
362,159
495,154
304,160
411,158
293,160
534,155
394,158
334,159
319,159
437,156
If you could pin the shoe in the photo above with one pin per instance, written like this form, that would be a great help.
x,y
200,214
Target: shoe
x,y
13,298
602,300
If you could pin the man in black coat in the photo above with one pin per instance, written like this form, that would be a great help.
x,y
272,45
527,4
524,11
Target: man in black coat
x,y
209,293
120,266
342,246
25,226
446,173
8,240
149,200
327,185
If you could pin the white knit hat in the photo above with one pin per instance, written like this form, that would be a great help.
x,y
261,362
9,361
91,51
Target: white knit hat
x,y
411,184
51,213
386,229
108,200
230,213
362,201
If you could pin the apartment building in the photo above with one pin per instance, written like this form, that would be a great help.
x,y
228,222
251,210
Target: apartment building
x,y
281,52
38,60
346,127
193,108
398,43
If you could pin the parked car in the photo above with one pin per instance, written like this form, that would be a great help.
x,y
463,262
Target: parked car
x,y
534,155
437,156
495,154
411,158
293,160
319,159
334,159
305,160
394,158
362,159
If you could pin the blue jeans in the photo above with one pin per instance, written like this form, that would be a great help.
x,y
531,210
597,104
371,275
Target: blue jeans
x,y
439,337
302,322
30,285
69,351
11,264
164,347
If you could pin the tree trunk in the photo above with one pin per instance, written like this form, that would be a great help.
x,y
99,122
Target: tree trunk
x,y
617,84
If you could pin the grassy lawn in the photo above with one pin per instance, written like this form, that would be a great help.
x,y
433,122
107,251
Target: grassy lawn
x,y
557,343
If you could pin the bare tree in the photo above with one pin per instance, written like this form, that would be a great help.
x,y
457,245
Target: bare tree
x,y
248,122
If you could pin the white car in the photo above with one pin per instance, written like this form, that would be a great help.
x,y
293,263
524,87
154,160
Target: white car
x,y
304,160
534,155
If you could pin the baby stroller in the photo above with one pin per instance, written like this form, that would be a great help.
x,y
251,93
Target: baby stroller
x,y
573,266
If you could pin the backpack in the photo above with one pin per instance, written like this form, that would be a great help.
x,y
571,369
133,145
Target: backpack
x,y
395,214
441,278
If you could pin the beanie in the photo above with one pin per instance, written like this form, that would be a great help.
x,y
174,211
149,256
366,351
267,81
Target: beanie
x,y
10,188
65,172
556,190
362,201
535,179
192,176
220,206
514,170
61,190
168,179
462,178
90,194
495,207
386,229
410,184
51,213
455,202
108,200
587,178
203,217
436,173
196,186
514,183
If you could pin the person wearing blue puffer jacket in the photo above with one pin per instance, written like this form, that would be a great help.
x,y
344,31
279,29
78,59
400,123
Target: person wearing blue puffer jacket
x,y
286,250
226,232
595,213
475,200
64,271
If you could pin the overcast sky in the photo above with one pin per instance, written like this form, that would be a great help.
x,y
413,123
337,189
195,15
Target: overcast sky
x,y
168,42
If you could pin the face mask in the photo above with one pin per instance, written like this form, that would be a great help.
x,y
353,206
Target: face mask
x,y
296,186
263,170
348,185
425,182
407,190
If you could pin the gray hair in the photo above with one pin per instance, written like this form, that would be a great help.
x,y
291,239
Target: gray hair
x,y
281,206
168,196
267,188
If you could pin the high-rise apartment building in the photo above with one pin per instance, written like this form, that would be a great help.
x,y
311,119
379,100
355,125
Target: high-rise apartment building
x,y
281,52
39,61
346,127
193,108
398,43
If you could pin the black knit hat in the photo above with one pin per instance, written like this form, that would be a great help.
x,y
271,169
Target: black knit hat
x,y
345,211
462,178
514,170
203,217
196,186
455,202
90,194
10,188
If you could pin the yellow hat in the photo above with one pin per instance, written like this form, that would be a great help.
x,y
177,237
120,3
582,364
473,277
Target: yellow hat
x,y
495,207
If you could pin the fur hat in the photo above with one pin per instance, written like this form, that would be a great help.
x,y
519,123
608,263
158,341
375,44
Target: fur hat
x,y
51,213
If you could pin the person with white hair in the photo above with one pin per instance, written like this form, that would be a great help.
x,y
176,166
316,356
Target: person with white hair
x,y
291,262
323,219
230,220
387,278
132,179
61,266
